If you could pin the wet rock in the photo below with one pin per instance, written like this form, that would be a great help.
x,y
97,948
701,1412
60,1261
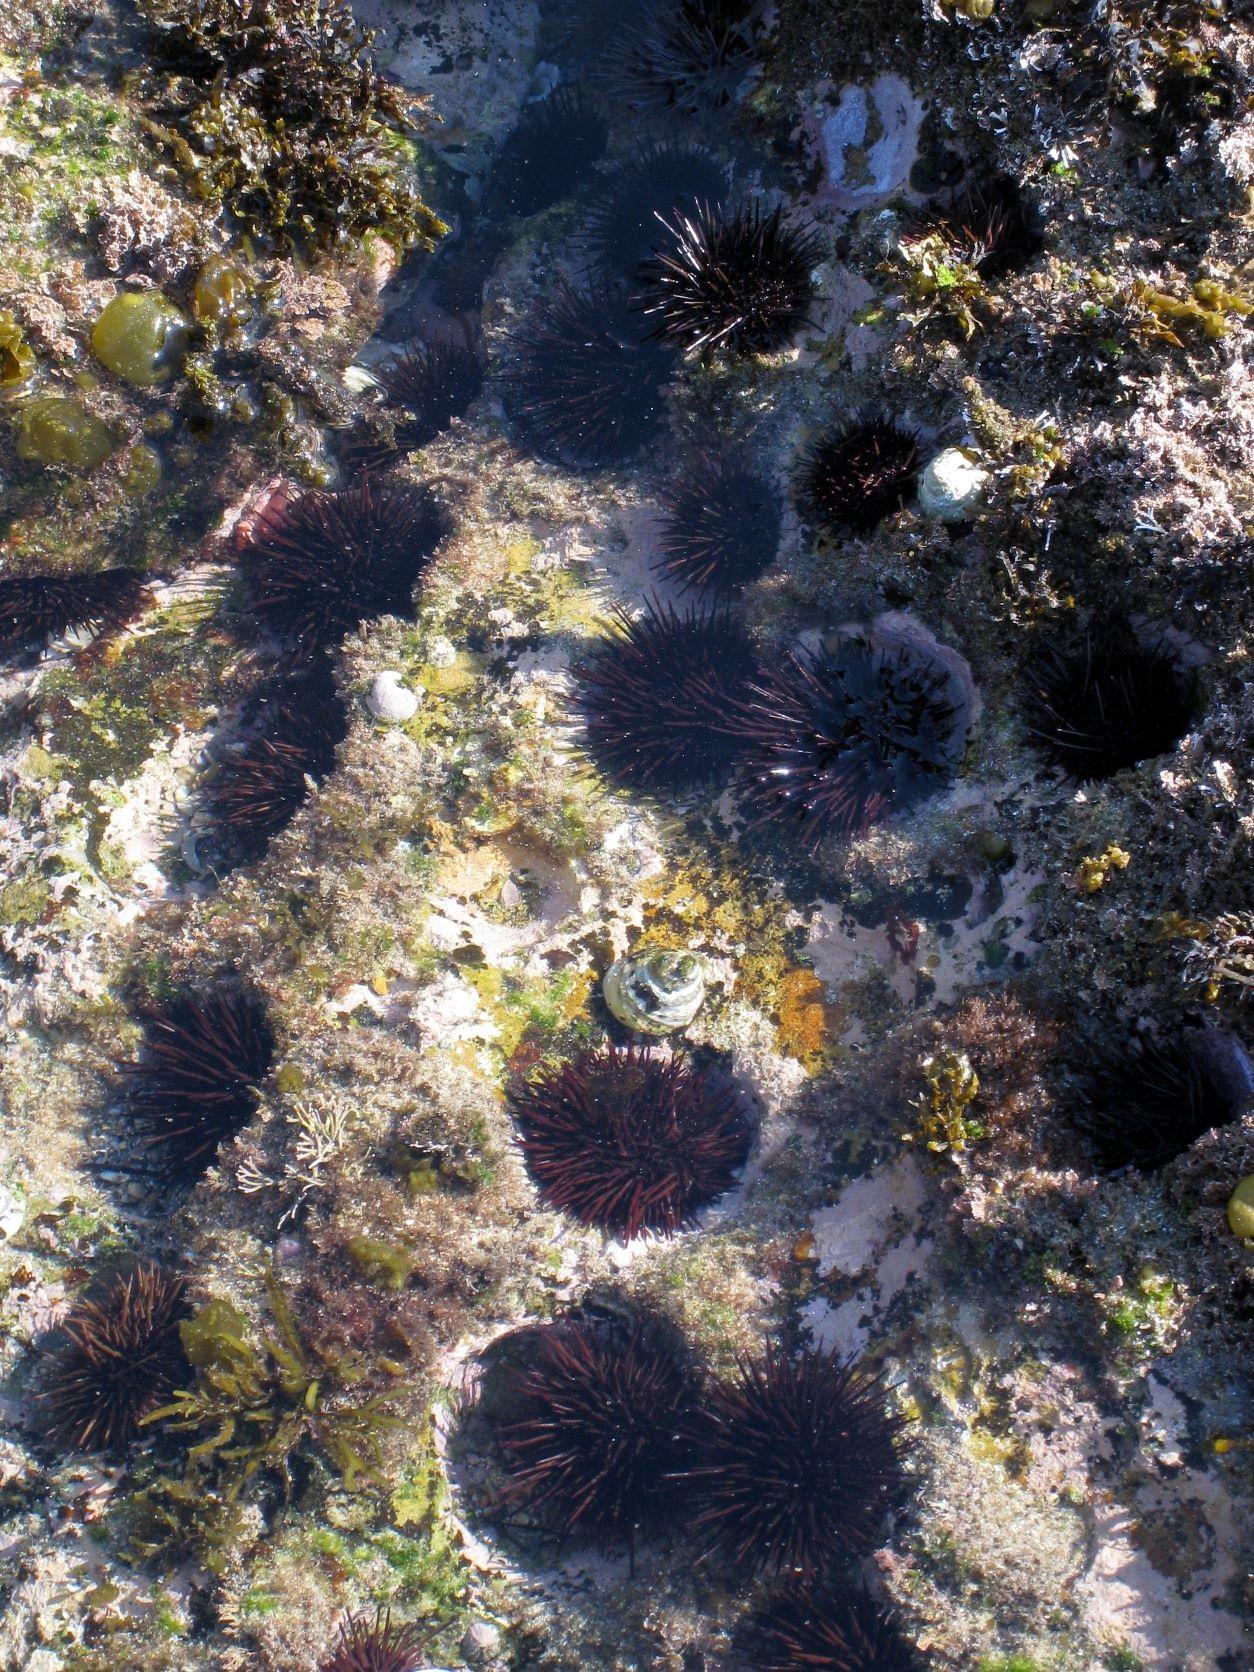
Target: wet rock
x,y
868,144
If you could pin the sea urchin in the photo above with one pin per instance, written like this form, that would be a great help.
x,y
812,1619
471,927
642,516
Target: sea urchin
x,y
796,1463
683,55
121,1358
1107,703
660,184
432,381
854,476
631,1140
316,566
839,739
654,696
740,281
548,154
588,1444
720,526
34,608
991,228
1145,1105
194,1084
587,386
835,1629
376,1645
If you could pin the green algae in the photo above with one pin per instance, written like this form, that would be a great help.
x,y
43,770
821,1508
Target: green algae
x,y
60,430
17,357
141,336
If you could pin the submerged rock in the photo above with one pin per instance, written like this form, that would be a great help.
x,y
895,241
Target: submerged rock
x,y
952,486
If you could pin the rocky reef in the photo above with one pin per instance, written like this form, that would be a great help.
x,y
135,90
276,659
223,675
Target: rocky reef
x,y
626,796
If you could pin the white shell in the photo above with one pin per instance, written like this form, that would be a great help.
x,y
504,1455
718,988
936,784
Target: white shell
x,y
390,700
656,992
951,486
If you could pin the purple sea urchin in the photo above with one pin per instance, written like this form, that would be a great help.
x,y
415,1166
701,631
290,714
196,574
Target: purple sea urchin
x,y
738,281
316,566
549,153
121,1358
630,1140
683,55
721,526
34,608
194,1085
654,696
830,1630
587,389
797,1463
990,227
588,1444
432,382
294,725
852,477
1106,703
1148,1104
661,183
839,739
376,1645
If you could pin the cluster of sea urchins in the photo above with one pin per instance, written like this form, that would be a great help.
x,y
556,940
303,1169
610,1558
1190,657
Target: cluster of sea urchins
x,y
120,1356
603,1433
631,1140
194,1084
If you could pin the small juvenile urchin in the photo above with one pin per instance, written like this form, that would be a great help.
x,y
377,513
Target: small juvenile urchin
x,y
836,740
631,1140
655,693
795,1462
121,1357
721,525
855,475
587,387
376,1645
739,281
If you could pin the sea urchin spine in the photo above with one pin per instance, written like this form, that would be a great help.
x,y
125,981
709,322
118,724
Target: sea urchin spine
x,y
121,1358
631,1140
376,1645
797,1463
1148,1104
836,1629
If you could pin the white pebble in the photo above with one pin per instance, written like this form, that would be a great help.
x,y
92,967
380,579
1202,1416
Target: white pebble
x,y
391,700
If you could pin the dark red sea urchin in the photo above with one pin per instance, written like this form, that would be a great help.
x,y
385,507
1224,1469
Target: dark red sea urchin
x,y
588,1445
587,387
431,381
1106,703
1147,1104
991,227
681,55
797,1461
194,1084
720,526
316,566
631,1140
34,608
837,740
654,696
377,1645
836,1629
121,1358
739,281
854,476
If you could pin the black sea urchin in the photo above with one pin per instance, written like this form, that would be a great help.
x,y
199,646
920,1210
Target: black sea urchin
x,y
431,382
840,739
739,281
1107,703
121,1357
316,566
654,696
797,1462
549,153
1148,1104
852,477
34,608
293,727
194,1084
991,228
630,1140
720,526
587,388
589,1440
830,1630
663,182
376,1645
684,55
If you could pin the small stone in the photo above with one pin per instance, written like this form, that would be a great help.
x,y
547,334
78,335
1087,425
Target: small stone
x,y
481,1641
12,1213
1241,1209
659,992
392,701
952,486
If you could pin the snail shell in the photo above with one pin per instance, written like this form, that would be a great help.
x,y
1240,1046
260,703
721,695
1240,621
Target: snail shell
x,y
655,992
